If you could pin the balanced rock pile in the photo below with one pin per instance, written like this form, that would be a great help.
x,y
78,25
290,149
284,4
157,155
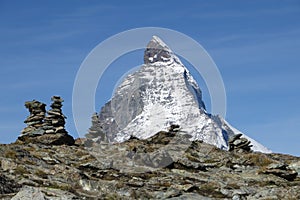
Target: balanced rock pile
x,y
34,121
239,144
174,128
49,130
55,120
96,130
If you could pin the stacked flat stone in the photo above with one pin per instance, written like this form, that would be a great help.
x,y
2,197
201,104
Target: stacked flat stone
x,y
239,144
95,131
34,121
174,128
54,122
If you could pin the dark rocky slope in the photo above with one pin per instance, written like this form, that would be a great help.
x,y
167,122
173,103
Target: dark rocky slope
x,y
163,166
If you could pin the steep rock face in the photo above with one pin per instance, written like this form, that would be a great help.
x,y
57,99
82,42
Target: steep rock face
x,y
162,93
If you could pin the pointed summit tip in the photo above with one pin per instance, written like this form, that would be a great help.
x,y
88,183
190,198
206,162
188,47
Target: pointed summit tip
x,y
157,51
156,40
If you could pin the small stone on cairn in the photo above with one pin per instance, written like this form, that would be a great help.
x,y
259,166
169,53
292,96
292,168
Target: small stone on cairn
x,y
34,121
55,120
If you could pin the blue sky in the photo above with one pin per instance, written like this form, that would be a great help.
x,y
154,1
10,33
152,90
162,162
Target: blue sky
x,y
255,45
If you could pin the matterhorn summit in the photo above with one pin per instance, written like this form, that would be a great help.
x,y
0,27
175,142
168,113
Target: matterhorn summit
x,y
160,94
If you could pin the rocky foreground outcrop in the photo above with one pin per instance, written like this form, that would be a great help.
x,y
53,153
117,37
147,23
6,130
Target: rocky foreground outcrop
x,y
167,165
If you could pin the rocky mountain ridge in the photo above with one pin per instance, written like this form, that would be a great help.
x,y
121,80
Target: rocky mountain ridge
x,y
144,169
53,165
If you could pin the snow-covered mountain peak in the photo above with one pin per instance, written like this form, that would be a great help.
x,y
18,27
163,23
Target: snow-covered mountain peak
x,y
160,94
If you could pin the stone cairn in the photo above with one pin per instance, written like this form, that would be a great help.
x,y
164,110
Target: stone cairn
x,y
95,130
239,144
35,120
54,122
49,130
38,124
174,128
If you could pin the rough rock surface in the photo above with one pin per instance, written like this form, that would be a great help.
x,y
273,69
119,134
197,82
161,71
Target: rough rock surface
x,y
96,130
239,144
281,170
48,139
35,120
7,185
166,165
54,122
